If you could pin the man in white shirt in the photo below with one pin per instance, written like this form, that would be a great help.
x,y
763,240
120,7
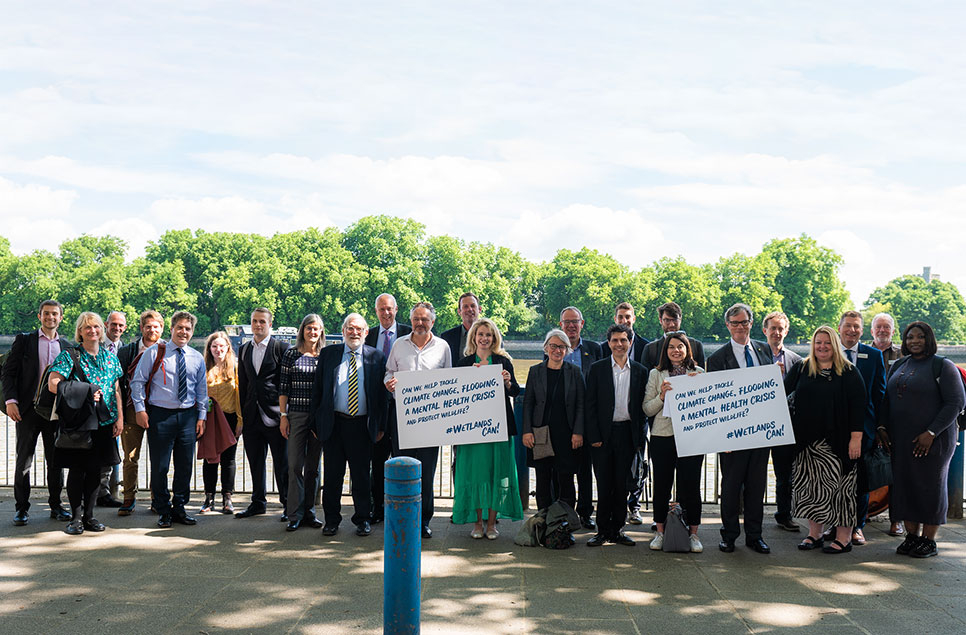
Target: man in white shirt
x,y
420,350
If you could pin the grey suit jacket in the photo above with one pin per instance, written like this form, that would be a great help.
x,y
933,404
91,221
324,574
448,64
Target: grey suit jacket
x,y
535,398
724,357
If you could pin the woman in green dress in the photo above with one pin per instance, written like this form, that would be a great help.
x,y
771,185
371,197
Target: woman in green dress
x,y
486,473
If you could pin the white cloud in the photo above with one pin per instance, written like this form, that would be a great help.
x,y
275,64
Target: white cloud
x,y
34,216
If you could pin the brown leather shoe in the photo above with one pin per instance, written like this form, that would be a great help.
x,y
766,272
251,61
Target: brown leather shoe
x,y
858,538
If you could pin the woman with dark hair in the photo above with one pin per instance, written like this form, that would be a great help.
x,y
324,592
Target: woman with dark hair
x,y
99,367
221,365
553,420
917,423
486,473
294,398
676,360
828,419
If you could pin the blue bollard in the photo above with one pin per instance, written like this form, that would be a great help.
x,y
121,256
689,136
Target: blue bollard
x,y
403,543
954,482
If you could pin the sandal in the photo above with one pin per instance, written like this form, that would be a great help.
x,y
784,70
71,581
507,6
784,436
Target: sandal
x,y
811,543
842,548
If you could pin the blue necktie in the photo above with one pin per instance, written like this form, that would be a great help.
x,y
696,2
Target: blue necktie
x,y
182,377
386,346
749,360
850,354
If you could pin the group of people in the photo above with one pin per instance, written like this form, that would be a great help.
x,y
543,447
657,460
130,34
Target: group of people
x,y
588,412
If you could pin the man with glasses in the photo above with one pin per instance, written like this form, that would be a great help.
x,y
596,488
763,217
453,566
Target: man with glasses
x,y
669,316
743,472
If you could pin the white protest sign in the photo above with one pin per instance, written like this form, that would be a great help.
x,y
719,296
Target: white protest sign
x,y
729,410
450,406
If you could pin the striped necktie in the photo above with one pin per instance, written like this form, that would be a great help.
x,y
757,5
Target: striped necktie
x,y
182,377
353,385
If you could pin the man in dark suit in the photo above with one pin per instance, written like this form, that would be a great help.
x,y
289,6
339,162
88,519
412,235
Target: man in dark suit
x,y
775,327
258,377
742,470
669,316
29,356
868,360
468,308
349,409
614,427
382,339
583,356
624,314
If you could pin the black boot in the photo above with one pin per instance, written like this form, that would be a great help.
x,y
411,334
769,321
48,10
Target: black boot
x,y
226,506
209,502
76,525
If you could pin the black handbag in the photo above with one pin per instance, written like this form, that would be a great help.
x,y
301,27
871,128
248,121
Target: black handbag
x,y
878,469
73,439
74,429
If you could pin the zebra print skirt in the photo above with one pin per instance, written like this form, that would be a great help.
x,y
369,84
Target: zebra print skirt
x,y
820,491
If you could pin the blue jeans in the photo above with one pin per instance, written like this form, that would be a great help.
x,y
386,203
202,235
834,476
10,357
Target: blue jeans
x,y
171,433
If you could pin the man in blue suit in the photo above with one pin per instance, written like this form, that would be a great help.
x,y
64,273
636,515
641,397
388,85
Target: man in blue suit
x,y
869,362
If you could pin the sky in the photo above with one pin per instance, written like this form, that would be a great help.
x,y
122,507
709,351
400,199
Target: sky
x,y
639,129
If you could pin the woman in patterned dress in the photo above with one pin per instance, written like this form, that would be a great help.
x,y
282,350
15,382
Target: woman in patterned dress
x,y
102,370
829,410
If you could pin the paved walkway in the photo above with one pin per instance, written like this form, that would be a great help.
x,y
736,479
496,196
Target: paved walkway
x,y
251,576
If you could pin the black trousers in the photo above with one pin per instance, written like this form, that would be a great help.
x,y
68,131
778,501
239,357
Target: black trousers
x,y
83,481
29,428
380,454
585,482
782,457
209,471
429,457
259,438
612,464
349,443
667,464
553,483
746,469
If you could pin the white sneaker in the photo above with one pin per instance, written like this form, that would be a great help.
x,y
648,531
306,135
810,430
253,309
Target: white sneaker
x,y
696,546
658,542
634,517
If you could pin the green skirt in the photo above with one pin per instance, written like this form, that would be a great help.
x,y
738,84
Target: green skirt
x,y
486,478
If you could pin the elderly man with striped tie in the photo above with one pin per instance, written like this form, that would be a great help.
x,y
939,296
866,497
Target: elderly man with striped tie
x,y
170,398
349,410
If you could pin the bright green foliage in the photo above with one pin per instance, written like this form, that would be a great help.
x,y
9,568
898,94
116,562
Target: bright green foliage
x,y
911,298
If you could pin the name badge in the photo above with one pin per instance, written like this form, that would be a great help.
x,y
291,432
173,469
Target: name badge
x,y
863,356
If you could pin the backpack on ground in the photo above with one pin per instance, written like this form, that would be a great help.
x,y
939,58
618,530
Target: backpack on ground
x,y
677,534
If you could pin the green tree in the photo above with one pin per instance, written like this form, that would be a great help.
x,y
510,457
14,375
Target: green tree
x,y
911,298
694,288
747,279
391,253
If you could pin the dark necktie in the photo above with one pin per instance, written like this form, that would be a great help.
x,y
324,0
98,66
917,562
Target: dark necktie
x,y
749,360
387,343
850,354
353,385
182,376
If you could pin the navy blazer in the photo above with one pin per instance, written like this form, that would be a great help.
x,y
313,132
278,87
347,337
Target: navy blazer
x,y
260,390
512,391
373,336
640,343
872,369
724,357
599,402
21,370
322,408
452,337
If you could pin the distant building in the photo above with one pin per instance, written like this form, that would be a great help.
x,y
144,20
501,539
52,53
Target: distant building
x,y
928,275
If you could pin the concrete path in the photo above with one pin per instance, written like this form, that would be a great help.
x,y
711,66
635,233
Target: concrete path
x,y
250,576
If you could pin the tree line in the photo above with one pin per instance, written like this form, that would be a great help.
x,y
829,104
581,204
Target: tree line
x,y
221,276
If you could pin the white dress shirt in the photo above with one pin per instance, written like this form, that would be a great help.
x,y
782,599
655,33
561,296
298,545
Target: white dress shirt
x,y
405,355
622,384
739,352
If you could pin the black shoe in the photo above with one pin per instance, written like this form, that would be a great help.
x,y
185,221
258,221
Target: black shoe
x,y
788,525
164,521
363,528
250,511
75,527
293,525
92,524
208,505
588,523
313,522
59,513
842,548
21,519
596,540
925,549
758,545
108,501
283,518
427,532
127,508
329,530
728,546
910,543
183,519
623,539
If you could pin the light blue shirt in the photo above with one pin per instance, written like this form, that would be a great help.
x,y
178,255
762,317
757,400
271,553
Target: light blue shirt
x,y
575,355
342,383
164,385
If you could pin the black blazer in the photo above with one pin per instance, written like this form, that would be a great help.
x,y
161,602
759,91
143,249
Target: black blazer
x,y
599,406
322,409
652,353
535,397
872,369
21,370
724,357
639,344
373,336
512,391
260,391
452,337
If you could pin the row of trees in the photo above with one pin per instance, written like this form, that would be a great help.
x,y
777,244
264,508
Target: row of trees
x,y
221,276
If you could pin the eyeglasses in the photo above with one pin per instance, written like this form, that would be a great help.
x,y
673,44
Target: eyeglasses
x,y
739,322
571,322
556,347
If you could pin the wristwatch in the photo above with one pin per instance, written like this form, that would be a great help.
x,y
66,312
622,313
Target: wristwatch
x,y
931,433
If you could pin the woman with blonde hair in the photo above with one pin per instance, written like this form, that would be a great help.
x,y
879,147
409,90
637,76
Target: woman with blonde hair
x,y
828,411
486,473
222,379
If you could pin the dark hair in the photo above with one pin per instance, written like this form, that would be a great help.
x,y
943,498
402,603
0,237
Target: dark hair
x,y
626,306
468,294
50,303
620,328
665,363
671,308
931,347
